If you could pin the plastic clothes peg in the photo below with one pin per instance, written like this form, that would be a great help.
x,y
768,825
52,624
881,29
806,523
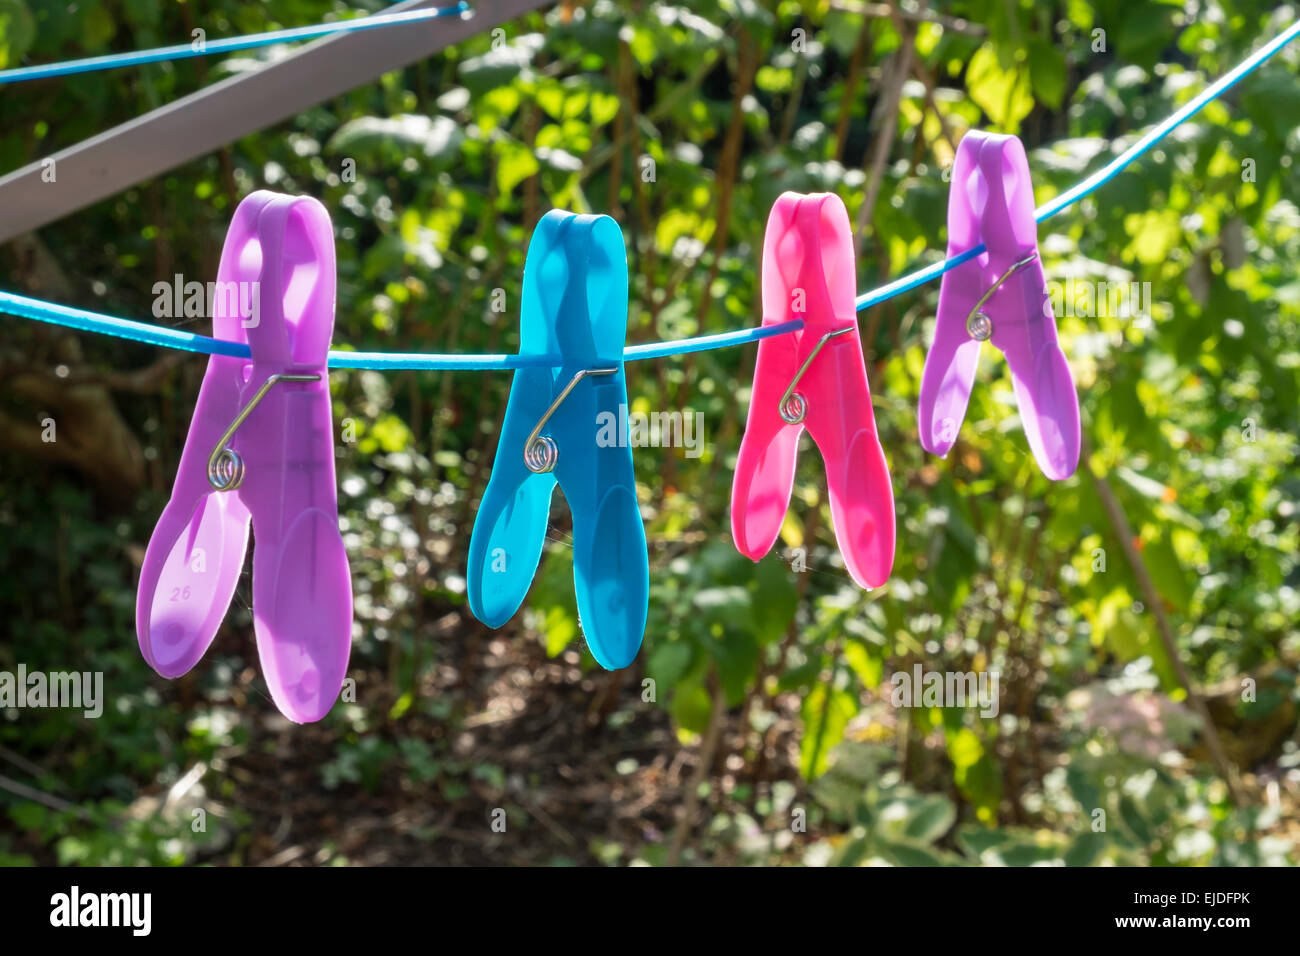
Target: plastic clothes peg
x,y
999,296
816,379
260,446
558,427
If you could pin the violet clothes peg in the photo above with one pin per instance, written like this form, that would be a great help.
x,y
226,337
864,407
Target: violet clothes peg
x,y
815,379
260,448
999,296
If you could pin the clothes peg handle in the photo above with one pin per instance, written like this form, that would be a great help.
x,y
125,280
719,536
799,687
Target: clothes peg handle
x,y
260,450
611,569
510,525
196,553
999,296
815,379
556,431
302,587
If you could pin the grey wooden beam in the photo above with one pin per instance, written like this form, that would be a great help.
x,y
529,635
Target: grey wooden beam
x,y
219,114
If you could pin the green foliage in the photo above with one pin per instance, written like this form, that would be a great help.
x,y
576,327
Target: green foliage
x,y
1191,410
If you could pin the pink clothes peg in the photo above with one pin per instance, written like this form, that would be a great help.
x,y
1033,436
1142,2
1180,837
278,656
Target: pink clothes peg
x,y
998,296
816,379
260,446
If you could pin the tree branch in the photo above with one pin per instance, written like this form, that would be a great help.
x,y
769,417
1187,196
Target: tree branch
x,y
1120,524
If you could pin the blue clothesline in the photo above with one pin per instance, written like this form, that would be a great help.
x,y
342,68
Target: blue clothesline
x,y
1102,176
149,334
183,51
86,321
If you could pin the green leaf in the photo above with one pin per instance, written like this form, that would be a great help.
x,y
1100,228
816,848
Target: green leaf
x,y
964,748
1155,233
692,707
17,32
854,852
604,107
1143,34
1004,94
550,97
775,599
1028,854
867,661
726,605
1132,635
500,65
668,662
388,434
736,657
1167,572
29,816
975,772
1083,788
552,597
931,819
1146,487
752,14
908,854
1272,100
437,137
1047,71
515,163
143,13
978,841
1007,847
98,28
561,628
826,714
801,675
1134,819
401,706
1085,849
641,42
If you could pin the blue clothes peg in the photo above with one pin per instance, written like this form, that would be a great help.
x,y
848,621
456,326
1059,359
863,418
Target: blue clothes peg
x,y
557,427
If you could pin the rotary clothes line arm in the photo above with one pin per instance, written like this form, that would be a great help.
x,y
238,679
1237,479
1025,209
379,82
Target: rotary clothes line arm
x,y
209,119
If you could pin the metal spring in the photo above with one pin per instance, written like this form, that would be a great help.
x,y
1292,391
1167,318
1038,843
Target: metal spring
x,y
225,467
979,327
541,454
540,451
793,409
226,470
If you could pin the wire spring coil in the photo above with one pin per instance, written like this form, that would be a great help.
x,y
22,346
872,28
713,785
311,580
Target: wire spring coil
x,y
794,409
541,454
226,470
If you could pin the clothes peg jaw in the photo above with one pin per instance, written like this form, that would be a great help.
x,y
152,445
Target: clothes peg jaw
x,y
575,310
999,296
814,379
196,552
261,448
302,588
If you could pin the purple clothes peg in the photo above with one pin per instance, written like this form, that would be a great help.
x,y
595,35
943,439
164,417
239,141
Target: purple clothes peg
x,y
260,446
999,296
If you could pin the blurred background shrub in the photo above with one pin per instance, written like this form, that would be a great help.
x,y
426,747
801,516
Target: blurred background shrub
x,y
768,733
